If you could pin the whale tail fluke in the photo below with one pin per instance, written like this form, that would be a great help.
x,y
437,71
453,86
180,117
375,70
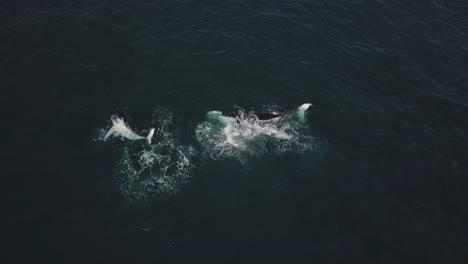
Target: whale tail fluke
x,y
150,135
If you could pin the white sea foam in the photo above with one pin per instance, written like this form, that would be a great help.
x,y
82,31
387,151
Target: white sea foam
x,y
160,169
247,136
146,171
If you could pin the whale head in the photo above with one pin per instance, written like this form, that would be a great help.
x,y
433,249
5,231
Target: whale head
x,y
116,119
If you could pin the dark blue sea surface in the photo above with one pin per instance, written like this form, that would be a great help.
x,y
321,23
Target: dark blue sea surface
x,y
378,174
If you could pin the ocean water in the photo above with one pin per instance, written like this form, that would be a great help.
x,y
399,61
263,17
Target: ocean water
x,y
375,174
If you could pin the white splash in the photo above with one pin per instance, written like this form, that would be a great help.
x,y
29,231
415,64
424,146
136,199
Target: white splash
x,y
245,136
146,172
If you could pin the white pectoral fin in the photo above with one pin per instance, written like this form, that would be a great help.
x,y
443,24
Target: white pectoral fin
x,y
301,112
109,133
150,135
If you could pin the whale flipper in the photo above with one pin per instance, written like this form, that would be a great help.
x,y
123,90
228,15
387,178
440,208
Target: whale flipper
x,y
301,112
150,135
109,133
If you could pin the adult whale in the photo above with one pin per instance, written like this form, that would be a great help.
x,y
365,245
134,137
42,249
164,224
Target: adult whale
x,y
120,128
267,116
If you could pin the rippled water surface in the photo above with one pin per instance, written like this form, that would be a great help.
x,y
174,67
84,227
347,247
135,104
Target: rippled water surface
x,y
377,173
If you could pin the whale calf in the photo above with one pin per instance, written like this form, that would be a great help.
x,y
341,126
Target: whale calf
x,y
120,128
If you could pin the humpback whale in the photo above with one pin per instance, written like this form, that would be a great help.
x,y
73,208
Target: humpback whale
x,y
267,116
120,128
262,116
